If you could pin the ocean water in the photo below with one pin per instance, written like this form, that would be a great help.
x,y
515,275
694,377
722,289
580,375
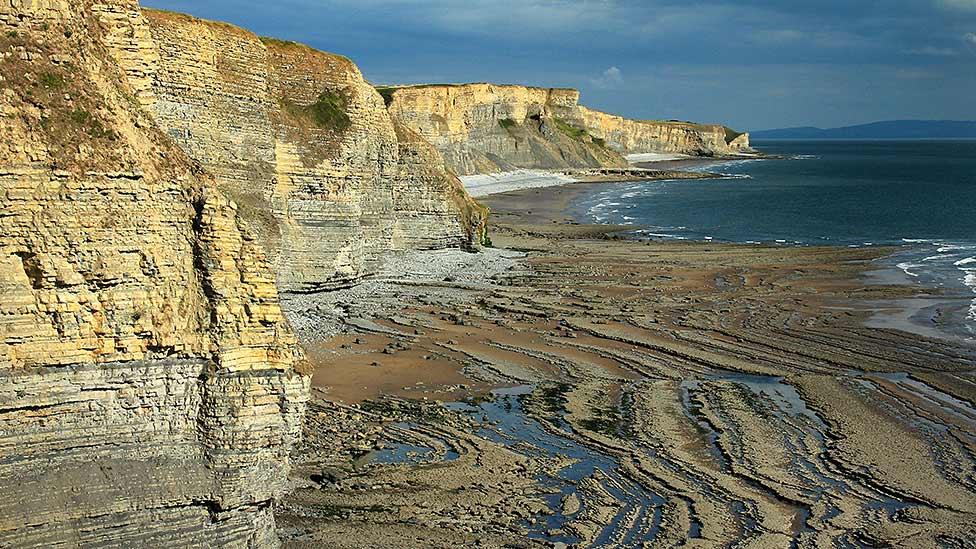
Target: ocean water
x,y
921,194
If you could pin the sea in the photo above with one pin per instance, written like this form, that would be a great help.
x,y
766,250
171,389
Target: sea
x,y
919,195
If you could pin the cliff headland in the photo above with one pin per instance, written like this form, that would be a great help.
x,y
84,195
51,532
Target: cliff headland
x,y
487,128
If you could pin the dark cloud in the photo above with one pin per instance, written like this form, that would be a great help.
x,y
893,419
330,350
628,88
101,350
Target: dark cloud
x,y
753,63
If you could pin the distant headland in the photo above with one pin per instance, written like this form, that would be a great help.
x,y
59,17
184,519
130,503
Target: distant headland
x,y
890,129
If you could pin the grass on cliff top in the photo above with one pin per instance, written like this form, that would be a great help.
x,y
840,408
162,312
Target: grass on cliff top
x,y
685,123
187,18
461,85
730,134
328,112
270,41
304,57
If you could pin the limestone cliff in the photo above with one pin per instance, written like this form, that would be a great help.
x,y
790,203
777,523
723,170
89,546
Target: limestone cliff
x,y
485,128
148,385
299,139
666,136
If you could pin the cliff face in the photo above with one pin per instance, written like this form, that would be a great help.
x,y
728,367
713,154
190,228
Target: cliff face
x,y
485,128
643,136
299,139
148,384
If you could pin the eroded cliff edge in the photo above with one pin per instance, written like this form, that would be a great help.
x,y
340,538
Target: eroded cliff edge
x,y
487,128
327,177
149,385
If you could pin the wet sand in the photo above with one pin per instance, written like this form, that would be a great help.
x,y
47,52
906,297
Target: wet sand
x,y
653,394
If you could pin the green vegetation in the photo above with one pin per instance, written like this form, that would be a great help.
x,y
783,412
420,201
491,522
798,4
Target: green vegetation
x,y
606,421
80,116
91,125
328,112
569,129
51,80
549,399
12,34
97,130
578,133
507,123
179,16
676,122
387,94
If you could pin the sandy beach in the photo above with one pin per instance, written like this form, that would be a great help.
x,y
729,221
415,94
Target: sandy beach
x,y
505,182
654,157
483,185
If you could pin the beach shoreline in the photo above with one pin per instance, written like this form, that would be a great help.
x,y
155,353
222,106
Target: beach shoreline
x,y
449,388
931,311
664,167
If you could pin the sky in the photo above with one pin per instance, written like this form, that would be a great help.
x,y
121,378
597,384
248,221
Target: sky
x,y
751,64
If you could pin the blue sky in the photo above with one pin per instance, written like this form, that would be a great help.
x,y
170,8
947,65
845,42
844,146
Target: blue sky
x,y
753,64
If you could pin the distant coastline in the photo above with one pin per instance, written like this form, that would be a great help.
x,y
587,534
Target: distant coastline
x,y
886,130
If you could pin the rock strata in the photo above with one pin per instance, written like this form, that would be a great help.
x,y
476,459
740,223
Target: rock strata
x,y
301,142
149,384
489,128
643,136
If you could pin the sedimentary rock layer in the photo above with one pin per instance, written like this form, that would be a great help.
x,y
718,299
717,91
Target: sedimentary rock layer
x,y
148,384
487,128
643,136
299,139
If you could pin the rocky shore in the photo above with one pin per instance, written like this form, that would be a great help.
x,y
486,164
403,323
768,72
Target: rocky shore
x,y
571,388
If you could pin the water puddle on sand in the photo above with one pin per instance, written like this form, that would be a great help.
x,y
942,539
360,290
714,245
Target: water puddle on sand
x,y
801,428
693,410
397,452
505,422
783,395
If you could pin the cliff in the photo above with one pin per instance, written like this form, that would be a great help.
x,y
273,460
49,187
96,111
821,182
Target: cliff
x,y
148,385
300,140
665,136
487,128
